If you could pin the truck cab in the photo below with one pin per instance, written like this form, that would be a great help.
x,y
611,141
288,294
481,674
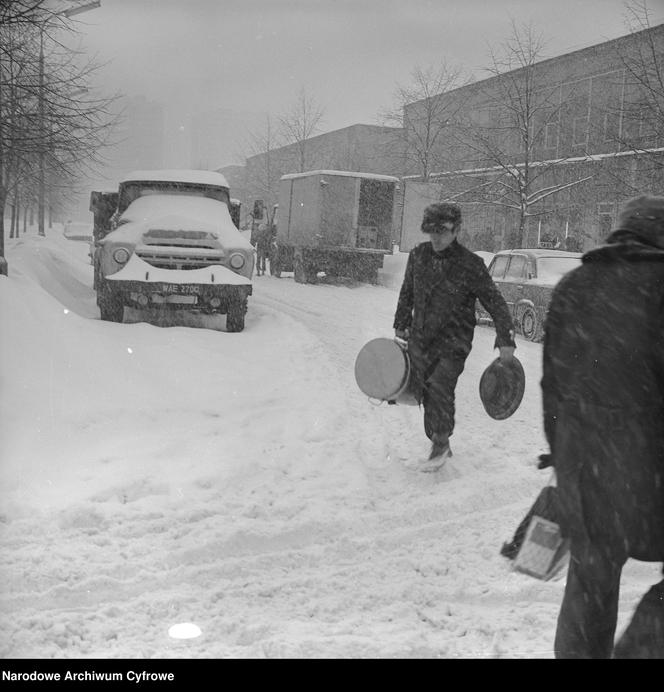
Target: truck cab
x,y
166,239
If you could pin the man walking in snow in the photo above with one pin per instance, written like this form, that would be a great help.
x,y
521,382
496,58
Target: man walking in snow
x,y
436,315
603,401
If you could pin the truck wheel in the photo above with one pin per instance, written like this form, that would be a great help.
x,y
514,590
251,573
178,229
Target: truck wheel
x,y
111,308
530,324
235,316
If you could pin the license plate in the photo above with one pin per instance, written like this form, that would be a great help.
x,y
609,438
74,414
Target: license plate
x,y
174,298
181,289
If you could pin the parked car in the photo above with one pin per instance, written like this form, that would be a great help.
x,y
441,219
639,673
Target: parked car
x,y
526,278
76,230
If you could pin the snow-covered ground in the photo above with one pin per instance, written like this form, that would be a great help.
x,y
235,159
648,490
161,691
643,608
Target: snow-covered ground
x,y
156,475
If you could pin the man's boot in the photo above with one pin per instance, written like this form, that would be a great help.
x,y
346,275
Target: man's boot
x,y
440,452
440,447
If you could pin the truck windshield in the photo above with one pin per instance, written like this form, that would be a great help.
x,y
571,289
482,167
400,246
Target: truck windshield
x,y
133,190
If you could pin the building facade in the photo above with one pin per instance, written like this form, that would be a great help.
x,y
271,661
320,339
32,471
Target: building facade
x,y
549,152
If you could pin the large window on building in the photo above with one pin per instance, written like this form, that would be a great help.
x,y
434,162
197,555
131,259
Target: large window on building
x,y
551,135
611,127
580,131
647,129
605,214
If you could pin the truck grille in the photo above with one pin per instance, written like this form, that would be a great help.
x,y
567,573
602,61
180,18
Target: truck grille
x,y
180,258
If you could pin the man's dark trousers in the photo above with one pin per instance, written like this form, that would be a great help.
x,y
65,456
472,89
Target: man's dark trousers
x,y
589,611
438,396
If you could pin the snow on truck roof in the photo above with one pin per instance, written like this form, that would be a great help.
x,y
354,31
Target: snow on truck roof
x,y
195,177
348,174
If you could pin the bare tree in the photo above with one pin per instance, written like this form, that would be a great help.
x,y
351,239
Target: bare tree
x,y
21,12
424,113
514,131
640,118
52,125
263,170
300,123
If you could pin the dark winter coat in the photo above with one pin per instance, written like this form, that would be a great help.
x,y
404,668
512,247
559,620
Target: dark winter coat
x,y
437,304
261,239
603,397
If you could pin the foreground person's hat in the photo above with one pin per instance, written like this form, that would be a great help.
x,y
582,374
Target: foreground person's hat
x,y
645,207
443,211
642,217
501,388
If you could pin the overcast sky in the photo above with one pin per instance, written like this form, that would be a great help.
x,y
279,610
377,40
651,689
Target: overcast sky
x,y
255,56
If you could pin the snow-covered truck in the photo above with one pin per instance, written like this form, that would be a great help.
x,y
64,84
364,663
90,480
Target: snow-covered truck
x,y
337,222
166,240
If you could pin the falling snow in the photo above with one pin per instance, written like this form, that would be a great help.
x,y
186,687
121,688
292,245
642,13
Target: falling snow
x,y
240,485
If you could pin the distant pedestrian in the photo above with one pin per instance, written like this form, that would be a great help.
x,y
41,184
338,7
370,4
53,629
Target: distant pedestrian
x,y
603,400
436,314
263,238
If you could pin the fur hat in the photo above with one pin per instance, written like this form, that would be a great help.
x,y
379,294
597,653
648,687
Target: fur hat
x,y
643,217
441,212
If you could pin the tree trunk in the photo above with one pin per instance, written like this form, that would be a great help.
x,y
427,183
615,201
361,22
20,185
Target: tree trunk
x,y
3,261
12,226
523,228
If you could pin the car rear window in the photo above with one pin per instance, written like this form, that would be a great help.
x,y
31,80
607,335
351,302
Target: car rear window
x,y
498,267
517,267
554,268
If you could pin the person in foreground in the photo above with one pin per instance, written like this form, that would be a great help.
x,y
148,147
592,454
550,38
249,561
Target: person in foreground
x,y
435,314
603,406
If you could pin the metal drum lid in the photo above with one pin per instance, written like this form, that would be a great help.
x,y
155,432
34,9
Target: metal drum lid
x,y
381,369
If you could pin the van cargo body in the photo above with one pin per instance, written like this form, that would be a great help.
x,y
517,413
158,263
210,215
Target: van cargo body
x,y
337,222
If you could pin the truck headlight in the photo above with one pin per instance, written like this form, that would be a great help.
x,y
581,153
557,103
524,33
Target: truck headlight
x,y
237,260
121,255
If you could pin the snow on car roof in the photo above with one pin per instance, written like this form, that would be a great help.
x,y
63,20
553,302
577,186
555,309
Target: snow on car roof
x,y
197,177
351,174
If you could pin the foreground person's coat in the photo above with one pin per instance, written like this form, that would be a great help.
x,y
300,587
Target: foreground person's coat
x,y
603,399
603,395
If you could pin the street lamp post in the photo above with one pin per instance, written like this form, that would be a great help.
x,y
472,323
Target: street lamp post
x,y
42,154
